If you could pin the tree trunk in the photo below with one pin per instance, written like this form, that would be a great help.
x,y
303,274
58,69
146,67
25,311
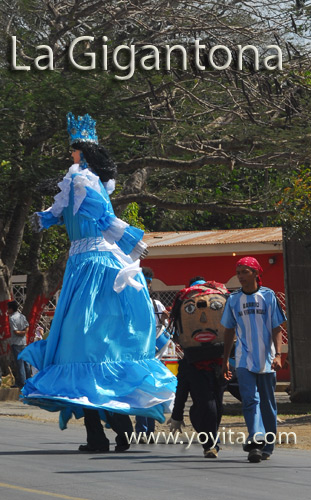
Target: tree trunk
x,y
4,321
134,185
15,233
41,286
9,253
297,267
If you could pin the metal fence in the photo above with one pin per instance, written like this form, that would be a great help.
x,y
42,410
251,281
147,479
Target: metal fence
x,y
166,297
19,294
281,299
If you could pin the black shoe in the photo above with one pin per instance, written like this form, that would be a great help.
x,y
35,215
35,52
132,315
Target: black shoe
x,y
120,448
87,448
254,456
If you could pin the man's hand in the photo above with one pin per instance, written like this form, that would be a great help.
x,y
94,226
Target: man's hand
x,y
175,425
277,341
165,316
276,363
226,373
20,333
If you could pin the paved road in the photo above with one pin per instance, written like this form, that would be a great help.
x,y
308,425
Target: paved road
x,y
38,461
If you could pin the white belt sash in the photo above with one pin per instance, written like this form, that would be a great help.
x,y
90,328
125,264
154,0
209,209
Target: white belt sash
x,y
125,276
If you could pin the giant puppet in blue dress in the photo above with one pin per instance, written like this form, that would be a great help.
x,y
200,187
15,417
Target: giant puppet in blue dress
x,y
100,352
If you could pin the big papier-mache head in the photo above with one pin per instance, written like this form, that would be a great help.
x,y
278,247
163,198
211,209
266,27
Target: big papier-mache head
x,y
82,129
196,315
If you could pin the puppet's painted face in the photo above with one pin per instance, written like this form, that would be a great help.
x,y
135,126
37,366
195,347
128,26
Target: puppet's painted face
x,y
76,155
200,317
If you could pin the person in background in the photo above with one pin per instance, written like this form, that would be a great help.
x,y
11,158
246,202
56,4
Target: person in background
x,y
161,313
18,328
196,280
39,332
255,316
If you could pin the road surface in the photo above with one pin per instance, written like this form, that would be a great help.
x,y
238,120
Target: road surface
x,y
38,461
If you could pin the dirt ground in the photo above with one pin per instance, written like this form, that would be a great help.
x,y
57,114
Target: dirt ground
x,y
293,420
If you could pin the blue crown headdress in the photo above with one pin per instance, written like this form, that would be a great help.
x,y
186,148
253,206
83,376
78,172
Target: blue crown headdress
x,y
82,129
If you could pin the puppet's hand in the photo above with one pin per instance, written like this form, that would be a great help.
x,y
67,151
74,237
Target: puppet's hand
x,y
175,425
144,254
139,251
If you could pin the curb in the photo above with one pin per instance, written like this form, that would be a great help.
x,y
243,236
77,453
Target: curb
x,y
9,394
281,386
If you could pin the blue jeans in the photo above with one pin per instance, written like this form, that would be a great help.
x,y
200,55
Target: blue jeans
x,y
259,407
23,368
144,424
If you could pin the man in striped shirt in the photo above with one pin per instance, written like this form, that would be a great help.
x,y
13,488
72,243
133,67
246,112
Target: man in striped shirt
x,y
254,315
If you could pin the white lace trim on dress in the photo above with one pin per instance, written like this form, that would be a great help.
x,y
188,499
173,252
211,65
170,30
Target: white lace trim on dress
x,y
110,186
85,178
138,250
116,229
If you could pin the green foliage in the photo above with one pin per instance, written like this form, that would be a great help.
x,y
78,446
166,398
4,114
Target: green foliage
x,y
294,207
261,118
132,217
215,185
55,243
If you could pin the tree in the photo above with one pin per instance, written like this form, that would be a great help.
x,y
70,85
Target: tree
x,y
217,146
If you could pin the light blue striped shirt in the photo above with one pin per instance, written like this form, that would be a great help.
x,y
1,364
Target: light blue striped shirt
x,y
253,316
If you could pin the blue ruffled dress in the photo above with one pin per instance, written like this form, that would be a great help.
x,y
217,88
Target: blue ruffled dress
x,y
100,352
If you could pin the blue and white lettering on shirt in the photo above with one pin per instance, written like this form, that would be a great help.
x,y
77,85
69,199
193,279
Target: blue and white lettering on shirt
x,y
253,316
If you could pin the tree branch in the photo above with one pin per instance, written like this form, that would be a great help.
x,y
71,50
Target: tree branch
x,y
262,162
214,207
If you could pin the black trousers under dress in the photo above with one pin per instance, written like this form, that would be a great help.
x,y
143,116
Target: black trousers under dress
x,y
95,434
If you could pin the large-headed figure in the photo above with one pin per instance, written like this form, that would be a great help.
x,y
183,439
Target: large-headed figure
x,y
100,350
196,316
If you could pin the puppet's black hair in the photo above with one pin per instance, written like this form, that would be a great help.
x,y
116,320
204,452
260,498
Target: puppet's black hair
x,y
98,159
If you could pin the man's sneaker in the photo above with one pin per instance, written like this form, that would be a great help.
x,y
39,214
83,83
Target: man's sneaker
x,y
254,456
87,448
142,440
265,456
146,440
212,453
